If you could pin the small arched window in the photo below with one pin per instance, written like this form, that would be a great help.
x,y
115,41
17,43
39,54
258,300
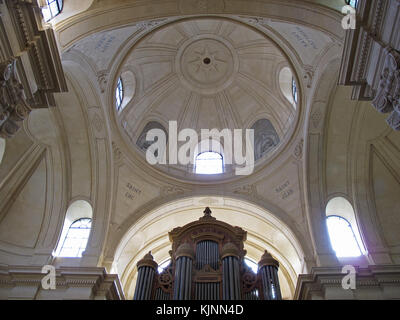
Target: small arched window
x,y
288,86
53,8
342,228
352,3
294,91
342,237
76,239
209,163
76,230
119,94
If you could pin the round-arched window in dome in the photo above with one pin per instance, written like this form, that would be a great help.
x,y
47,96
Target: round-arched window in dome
x,y
209,163
119,94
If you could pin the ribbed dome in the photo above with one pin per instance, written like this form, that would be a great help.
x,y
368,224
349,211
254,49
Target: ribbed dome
x,y
206,73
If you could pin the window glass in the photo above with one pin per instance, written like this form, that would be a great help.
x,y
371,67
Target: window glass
x,y
76,239
53,8
342,237
294,90
209,163
119,94
352,3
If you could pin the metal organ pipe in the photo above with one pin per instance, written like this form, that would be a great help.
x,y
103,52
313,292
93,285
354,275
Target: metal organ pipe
x,y
178,285
146,270
230,270
183,272
268,267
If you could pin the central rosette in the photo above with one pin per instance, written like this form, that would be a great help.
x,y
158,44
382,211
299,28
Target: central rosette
x,y
206,64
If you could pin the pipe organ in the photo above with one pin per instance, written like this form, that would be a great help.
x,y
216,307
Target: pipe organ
x,y
207,263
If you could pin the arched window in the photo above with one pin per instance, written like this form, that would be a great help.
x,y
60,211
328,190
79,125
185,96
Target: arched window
x,y
294,91
76,230
53,8
343,229
119,94
76,239
209,163
352,3
342,237
265,138
143,143
288,86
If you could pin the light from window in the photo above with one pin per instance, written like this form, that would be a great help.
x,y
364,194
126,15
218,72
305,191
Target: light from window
x,y
342,237
162,266
2,148
294,90
52,9
251,264
76,239
209,163
352,3
119,94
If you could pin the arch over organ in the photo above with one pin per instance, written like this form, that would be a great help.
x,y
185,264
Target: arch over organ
x,y
207,263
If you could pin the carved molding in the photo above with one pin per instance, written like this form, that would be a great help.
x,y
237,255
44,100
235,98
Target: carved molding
x,y
249,190
298,151
387,99
373,278
171,190
13,106
34,47
370,62
13,279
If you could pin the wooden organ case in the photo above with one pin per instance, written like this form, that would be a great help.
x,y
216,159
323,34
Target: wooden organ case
x,y
207,263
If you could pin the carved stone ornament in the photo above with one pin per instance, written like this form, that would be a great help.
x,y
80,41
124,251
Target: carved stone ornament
x,y
298,151
13,107
387,99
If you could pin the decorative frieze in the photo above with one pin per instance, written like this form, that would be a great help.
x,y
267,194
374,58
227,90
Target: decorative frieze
x,y
371,57
30,65
387,99
373,282
70,282
13,106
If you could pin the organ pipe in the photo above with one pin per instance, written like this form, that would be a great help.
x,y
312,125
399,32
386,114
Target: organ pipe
x,y
208,256
230,268
146,270
268,267
183,272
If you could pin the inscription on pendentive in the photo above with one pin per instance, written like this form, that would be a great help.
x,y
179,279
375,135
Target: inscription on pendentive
x,y
132,192
284,190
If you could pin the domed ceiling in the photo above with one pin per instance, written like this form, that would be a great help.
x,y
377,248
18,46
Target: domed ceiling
x,y
206,73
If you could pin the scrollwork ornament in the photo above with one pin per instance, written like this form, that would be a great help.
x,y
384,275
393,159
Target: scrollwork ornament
x,y
13,106
387,99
